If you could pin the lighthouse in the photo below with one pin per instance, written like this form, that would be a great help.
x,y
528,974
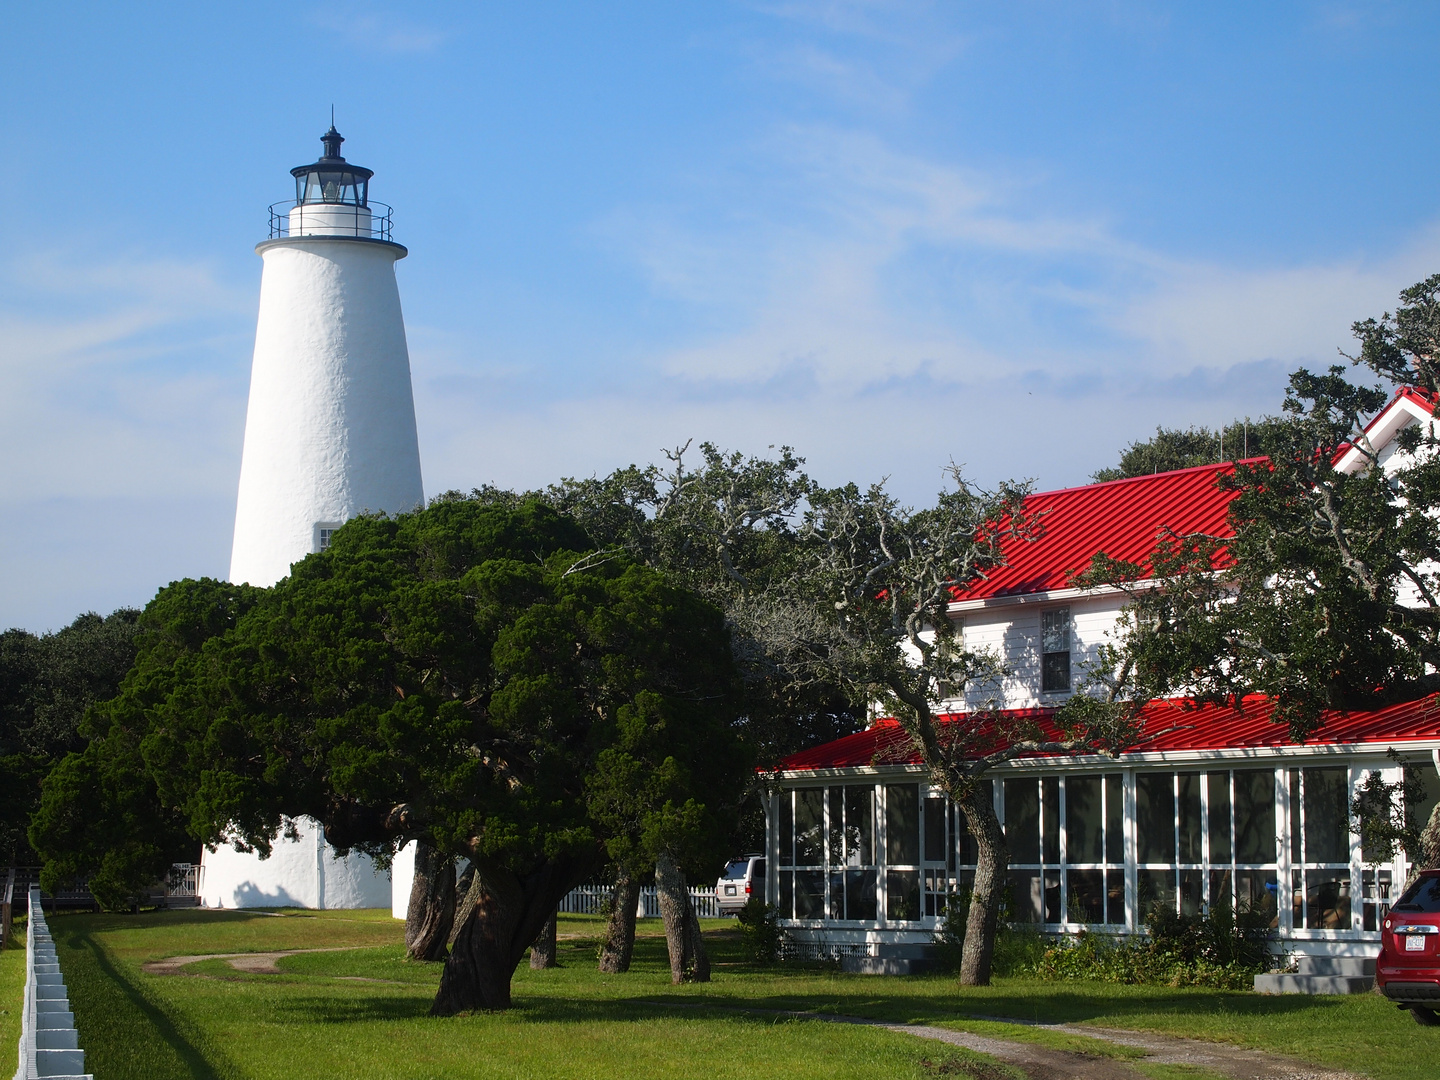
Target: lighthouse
x,y
329,433
330,429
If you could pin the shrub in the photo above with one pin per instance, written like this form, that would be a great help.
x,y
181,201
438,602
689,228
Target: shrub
x,y
760,931
1222,950
950,934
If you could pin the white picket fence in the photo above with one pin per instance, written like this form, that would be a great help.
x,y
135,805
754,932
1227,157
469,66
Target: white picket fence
x,y
48,1046
590,900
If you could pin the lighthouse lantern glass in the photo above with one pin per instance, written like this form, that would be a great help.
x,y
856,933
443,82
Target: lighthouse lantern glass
x,y
332,186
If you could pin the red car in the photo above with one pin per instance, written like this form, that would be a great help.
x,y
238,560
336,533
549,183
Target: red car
x,y
1408,968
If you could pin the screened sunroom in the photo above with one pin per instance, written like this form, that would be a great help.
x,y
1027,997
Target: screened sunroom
x,y
1218,809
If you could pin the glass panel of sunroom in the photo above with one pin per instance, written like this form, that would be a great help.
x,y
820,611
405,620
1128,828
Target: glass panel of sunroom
x,y
1219,798
1115,896
1156,889
1155,817
787,828
1084,831
1028,898
860,895
1254,815
1327,899
902,895
1115,820
935,829
1022,820
1050,820
809,826
1192,891
1327,816
1086,895
860,827
902,826
1188,787
1257,890
809,894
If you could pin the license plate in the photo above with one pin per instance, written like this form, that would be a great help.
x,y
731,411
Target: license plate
x,y
1414,942
730,891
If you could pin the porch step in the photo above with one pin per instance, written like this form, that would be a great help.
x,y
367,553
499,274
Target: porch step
x,y
1322,975
1314,984
885,965
1336,965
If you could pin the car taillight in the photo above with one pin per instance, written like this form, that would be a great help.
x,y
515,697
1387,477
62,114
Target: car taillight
x,y
747,887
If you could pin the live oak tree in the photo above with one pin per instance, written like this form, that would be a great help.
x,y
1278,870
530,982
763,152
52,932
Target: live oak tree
x,y
1328,594
724,526
1183,448
452,676
47,682
867,605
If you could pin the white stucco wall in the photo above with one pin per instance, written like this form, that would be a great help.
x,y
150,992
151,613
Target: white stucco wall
x,y
330,430
299,873
402,878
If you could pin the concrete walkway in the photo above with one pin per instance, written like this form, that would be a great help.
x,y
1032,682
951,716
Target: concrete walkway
x,y
1045,1063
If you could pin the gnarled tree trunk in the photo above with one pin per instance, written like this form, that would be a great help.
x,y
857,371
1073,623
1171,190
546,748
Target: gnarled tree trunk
x,y
506,914
542,953
991,864
619,943
688,960
431,912
464,902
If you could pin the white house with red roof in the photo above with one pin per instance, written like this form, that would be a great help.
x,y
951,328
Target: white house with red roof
x,y
1219,806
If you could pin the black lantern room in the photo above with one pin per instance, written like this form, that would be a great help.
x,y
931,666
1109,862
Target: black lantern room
x,y
332,179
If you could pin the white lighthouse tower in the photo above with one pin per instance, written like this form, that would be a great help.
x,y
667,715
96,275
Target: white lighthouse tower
x,y
330,433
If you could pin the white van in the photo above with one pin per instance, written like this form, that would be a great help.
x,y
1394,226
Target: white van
x,y
743,878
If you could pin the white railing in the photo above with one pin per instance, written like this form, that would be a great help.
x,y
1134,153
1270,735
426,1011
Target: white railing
x,y
591,900
49,1046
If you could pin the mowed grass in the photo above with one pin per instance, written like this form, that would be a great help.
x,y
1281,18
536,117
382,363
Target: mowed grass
x,y
363,1012
12,992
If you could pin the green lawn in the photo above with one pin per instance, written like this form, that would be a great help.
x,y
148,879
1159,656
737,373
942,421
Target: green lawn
x,y
12,994
363,1012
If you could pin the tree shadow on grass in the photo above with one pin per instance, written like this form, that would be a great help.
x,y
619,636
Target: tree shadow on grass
x,y
97,998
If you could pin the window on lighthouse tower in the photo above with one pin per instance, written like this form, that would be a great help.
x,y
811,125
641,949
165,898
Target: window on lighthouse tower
x,y
323,533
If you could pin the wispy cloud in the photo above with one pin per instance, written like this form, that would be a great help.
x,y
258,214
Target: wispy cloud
x,y
379,32
118,377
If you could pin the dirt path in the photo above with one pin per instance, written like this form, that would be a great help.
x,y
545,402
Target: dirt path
x,y
1045,1063
252,963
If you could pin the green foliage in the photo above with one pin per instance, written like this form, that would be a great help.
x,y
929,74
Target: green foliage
x,y
760,931
1173,448
1387,818
47,682
465,674
1222,950
950,933
725,527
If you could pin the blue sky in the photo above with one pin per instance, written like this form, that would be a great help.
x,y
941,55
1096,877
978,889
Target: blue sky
x,y
888,234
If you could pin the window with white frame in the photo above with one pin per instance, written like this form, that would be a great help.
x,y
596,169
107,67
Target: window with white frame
x,y
324,531
1067,848
1055,651
1205,840
1320,848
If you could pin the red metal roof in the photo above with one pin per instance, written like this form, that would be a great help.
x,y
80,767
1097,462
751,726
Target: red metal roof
x,y
1176,725
1121,518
